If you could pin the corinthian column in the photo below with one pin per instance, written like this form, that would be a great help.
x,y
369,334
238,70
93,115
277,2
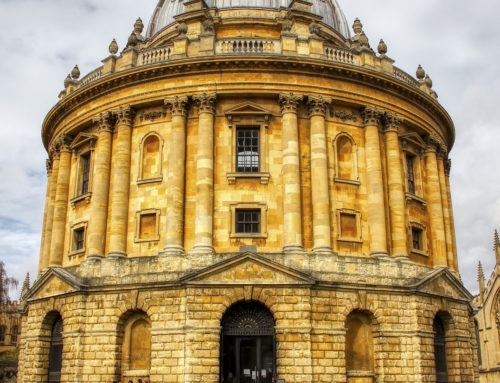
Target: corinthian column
x,y
176,175
434,203
396,187
100,188
292,215
319,175
48,212
205,174
121,183
60,201
447,170
446,209
375,184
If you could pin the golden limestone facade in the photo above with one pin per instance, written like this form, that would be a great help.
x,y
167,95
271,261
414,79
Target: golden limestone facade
x,y
248,194
487,321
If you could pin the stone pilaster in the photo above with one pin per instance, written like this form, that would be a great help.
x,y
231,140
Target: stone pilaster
x,y
292,214
121,183
396,187
319,175
375,183
205,174
100,188
447,170
48,210
441,158
434,203
60,201
179,106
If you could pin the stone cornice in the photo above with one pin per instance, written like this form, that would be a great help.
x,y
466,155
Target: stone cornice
x,y
310,66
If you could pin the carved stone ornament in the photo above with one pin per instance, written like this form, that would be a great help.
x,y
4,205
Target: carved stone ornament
x,y
125,115
371,115
132,40
113,47
178,105
287,25
205,102
208,26
420,73
248,318
342,115
382,48
67,81
182,28
48,166
314,28
75,73
289,102
357,27
104,122
153,115
391,122
433,143
447,167
138,26
63,143
318,105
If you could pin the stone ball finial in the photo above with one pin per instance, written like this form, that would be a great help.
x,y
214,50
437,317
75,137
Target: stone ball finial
x,y
382,47
67,81
113,47
132,40
357,27
75,73
182,28
138,26
420,73
428,81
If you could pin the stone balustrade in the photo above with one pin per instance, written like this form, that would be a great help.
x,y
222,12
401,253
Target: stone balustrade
x,y
248,46
339,55
91,77
154,56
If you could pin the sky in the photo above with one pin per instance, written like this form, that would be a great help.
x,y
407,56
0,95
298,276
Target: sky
x,y
456,42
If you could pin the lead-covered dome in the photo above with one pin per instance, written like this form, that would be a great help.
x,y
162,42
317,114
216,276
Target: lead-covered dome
x,y
330,10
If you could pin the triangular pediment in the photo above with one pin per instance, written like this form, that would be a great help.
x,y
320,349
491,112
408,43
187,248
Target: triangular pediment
x,y
442,282
248,268
247,108
55,281
83,139
413,138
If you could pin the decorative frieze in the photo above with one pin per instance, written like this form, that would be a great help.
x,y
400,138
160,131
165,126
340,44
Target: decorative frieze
x,y
153,115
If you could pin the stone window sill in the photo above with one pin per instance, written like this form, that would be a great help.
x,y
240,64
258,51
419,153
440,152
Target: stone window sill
x,y
422,253
349,182
234,176
350,240
150,181
84,197
415,198
143,240
77,253
248,235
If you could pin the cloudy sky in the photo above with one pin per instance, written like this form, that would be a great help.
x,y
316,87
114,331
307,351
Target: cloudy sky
x,y
456,41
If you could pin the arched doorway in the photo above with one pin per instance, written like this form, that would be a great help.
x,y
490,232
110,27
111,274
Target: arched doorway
x,y
248,344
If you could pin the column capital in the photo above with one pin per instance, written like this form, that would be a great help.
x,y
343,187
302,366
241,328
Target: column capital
x,y
205,102
318,105
124,115
433,144
391,122
447,167
48,166
104,122
63,142
371,115
178,105
289,102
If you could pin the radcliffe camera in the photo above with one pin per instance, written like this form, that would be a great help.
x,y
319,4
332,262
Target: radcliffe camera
x,y
249,191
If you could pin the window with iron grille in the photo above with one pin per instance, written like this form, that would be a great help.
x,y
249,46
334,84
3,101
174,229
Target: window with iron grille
x,y
410,166
248,150
248,221
416,238
85,173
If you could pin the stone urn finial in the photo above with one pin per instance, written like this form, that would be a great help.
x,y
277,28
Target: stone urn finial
x,y
287,25
113,47
67,81
428,81
75,73
132,40
357,27
208,26
182,28
382,47
314,28
138,26
420,73
363,40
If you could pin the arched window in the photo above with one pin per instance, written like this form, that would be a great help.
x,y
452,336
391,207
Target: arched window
x,y
346,161
55,351
150,166
359,347
136,346
440,350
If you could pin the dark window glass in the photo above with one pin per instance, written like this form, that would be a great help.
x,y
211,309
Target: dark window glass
x,y
416,238
13,336
247,150
478,340
85,158
55,352
410,166
248,221
79,238
440,351
2,334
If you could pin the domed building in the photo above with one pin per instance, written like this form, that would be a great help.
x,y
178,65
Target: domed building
x,y
248,193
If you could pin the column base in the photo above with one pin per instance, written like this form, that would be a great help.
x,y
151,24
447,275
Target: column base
x,y
379,254
202,249
323,250
172,250
402,258
293,249
117,254
95,257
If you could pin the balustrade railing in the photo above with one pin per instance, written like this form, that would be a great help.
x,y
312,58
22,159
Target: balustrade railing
x,y
91,77
156,55
339,55
405,77
248,46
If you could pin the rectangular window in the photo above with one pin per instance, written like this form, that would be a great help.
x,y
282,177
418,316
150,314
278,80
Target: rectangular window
x,y
410,168
248,150
79,239
147,229
2,334
84,173
247,221
416,235
13,336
